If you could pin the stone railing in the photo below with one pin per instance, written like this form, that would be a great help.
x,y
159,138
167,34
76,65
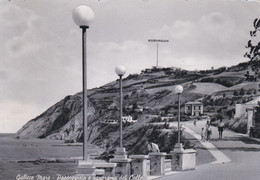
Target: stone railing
x,y
143,166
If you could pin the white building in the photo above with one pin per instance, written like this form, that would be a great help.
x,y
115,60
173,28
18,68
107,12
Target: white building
x,y
241,110
246,111
194,108
128,119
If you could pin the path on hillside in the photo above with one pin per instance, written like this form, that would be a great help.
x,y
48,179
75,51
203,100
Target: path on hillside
x,y
242,151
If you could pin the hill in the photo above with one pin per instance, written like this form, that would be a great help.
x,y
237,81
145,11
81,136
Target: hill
x,y
145,96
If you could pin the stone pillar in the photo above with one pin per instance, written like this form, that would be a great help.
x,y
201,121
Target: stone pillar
x,y
192,110
157,163
183,159
139,165
109,168
123,168
250,114
86,168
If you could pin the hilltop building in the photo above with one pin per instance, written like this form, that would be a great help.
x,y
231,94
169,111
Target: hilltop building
x,y
194,108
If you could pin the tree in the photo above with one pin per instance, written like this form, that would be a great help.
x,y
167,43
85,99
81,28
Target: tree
x,y
242,92
235,93
253,46
249,91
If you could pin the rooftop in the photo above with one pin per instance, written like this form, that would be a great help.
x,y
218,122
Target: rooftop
x,y
195,102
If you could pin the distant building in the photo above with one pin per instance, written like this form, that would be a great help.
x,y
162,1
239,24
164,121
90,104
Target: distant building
x,y
128,119
110,121
194,108
137,109
246,111
241,110
167,118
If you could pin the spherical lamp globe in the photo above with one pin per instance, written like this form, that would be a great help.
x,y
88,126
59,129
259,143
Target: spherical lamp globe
x,y
83,16
120,70
178,89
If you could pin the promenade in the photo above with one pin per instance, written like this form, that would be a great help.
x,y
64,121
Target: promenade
x,y
237,157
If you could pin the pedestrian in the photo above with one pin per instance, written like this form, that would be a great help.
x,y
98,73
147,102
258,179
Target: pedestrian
x,y
221,126
152,147
208,131
182,130
195,122
203,134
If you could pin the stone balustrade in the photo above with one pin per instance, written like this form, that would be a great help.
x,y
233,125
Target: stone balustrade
x,y
157,163
183,159
109,168
140,165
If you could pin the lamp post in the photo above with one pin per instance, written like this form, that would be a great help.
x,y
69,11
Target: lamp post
x,y
82,16
182,159
120,71
179,90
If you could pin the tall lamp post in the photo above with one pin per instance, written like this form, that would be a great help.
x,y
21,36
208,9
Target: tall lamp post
x,y
123,167
82,16
120,71
182,159
179,90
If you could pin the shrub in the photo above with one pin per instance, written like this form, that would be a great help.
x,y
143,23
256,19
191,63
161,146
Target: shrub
x,y
242,92
207,79
235,93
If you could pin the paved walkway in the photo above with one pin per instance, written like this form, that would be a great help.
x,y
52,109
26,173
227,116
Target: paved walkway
x,y
237,156
218,155
195,132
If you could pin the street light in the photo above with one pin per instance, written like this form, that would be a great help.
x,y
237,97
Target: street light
x,y
82,16
179,90
120,71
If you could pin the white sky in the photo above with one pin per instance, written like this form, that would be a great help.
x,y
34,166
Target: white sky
x,y
40,46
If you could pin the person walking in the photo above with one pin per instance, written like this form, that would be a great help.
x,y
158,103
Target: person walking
x,y
208,131
221,126
203,134
195,122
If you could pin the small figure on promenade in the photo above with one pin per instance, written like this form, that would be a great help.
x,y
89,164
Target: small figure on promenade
x,y
152,147
252,132
182,129
203,134
221,127
208,131
195,122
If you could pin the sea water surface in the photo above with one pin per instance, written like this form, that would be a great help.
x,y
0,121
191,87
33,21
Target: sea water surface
x,y
21,157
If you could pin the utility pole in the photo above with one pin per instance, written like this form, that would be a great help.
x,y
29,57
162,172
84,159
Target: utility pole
x,y
157,41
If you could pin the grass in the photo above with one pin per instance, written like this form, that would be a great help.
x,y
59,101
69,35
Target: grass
x,y
208,88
